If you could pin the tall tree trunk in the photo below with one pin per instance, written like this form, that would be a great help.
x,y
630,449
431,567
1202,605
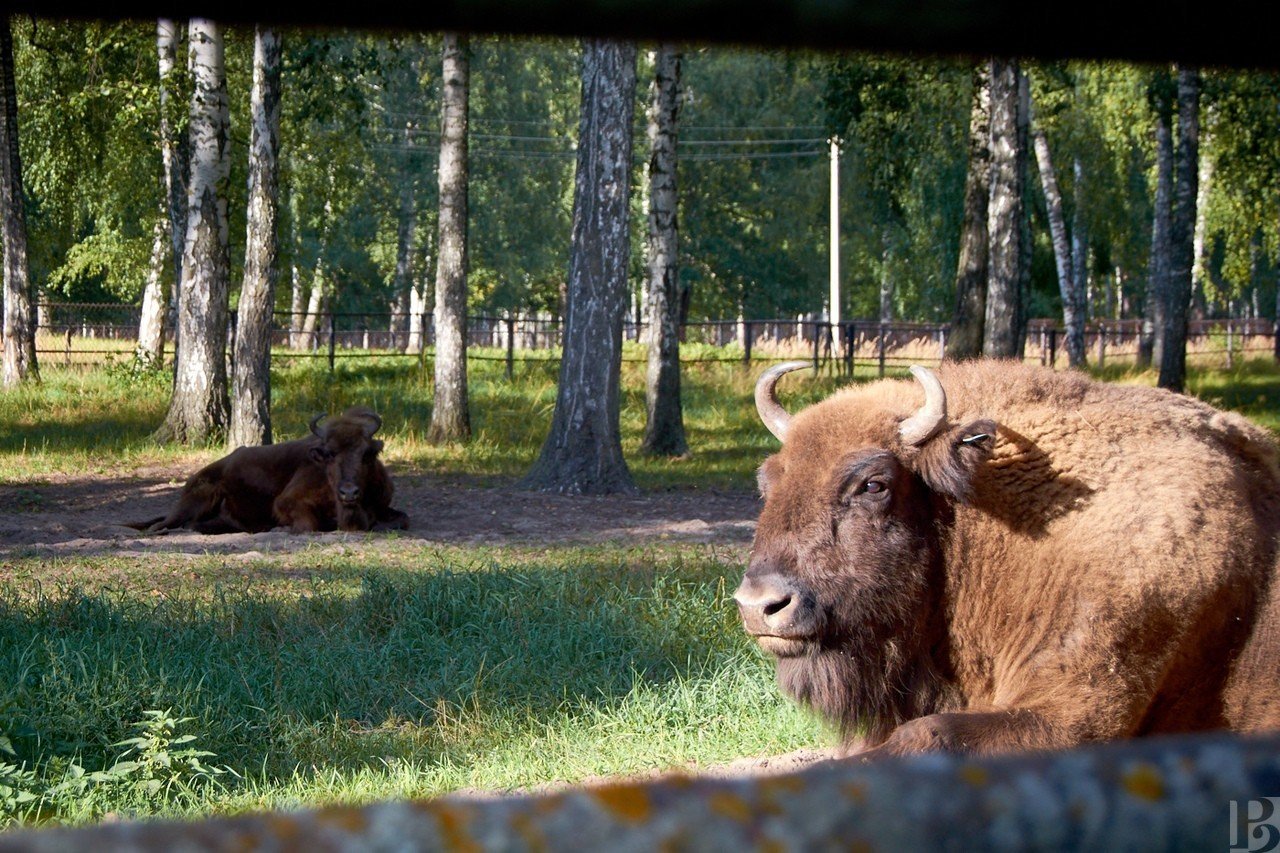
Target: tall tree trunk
x,y
583,451
416,335
1080,270
297,289
664,423
155,298
174,152
251,381
318,298
1198,299
965,338
19,319
406,250
1005,213
1072,303
886,273
198,407
1024,221
450,414
1173,361
1150,347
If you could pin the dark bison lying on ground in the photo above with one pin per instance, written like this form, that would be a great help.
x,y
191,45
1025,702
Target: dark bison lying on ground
x,y
330,480
1028,560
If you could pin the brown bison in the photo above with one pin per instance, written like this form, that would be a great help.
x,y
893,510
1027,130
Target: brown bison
x,y
1026,559
330,480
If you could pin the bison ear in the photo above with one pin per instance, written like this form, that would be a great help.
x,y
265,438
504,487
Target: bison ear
x,y
318,454
376,444
949,463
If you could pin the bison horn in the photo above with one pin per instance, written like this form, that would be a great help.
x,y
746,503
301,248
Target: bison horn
x,y
930,417
771,412
315,423
376,420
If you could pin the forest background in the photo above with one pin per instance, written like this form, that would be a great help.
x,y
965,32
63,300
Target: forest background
x,y
360,125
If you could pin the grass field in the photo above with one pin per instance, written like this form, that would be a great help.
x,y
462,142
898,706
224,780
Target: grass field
x,y
179,684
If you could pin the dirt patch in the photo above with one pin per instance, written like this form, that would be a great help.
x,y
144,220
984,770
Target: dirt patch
x,y
86,515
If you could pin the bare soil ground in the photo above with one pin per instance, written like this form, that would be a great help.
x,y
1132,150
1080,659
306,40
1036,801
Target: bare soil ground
x,y
86,515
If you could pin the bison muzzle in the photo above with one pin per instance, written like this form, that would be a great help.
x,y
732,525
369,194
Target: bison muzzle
x,y
1023,559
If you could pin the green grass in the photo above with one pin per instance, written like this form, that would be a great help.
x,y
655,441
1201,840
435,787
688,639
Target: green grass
x,y
323,678
98,421
353,674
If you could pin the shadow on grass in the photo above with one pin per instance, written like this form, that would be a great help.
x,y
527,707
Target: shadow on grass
x,y
417,667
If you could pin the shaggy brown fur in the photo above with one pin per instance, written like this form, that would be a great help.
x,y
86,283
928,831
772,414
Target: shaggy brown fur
x,y
1102,565
330,480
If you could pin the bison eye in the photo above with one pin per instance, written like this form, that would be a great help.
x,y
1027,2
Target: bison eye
x,y
872,487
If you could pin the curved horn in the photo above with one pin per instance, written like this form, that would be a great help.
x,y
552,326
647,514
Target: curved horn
x,y
377,423
930,417
771,412
315,422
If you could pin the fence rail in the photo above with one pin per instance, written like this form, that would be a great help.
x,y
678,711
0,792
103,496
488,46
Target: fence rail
x,y
82,333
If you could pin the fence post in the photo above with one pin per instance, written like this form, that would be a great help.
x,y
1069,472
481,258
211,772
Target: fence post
x,y
880,345
68,356
1053,347
1102,344
511,346
817,341
748,332
333,336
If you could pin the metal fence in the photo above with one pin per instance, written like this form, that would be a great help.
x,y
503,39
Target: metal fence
x,y
80,333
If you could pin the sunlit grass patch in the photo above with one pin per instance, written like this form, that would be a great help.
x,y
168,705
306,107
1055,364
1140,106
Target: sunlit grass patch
x,y
408,673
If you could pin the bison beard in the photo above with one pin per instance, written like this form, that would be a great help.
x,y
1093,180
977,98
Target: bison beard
x,y
1100,564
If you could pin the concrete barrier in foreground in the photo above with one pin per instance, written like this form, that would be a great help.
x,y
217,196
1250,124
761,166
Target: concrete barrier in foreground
x,y
1184,793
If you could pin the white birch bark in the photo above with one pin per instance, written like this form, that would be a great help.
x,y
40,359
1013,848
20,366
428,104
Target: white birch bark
x,y
664,423
1005,213
251,379
406,238
198,408
19,318
1072,302
583,450
174,151
155,298
450,415
965,338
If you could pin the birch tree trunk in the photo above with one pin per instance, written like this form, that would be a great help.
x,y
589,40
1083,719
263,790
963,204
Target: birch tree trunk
x,y
251,380
1150,345
175,156
155,299
1080,266
965,338
450,415
1005,212
317,299
19,318
1072,302
1173,361
198,408
406,250
583,451
664,422
297,290
886,274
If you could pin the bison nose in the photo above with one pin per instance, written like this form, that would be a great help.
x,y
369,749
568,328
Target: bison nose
x,y
770,604
348,494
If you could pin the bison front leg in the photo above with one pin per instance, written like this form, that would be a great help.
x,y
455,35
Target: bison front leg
x,y
971,733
